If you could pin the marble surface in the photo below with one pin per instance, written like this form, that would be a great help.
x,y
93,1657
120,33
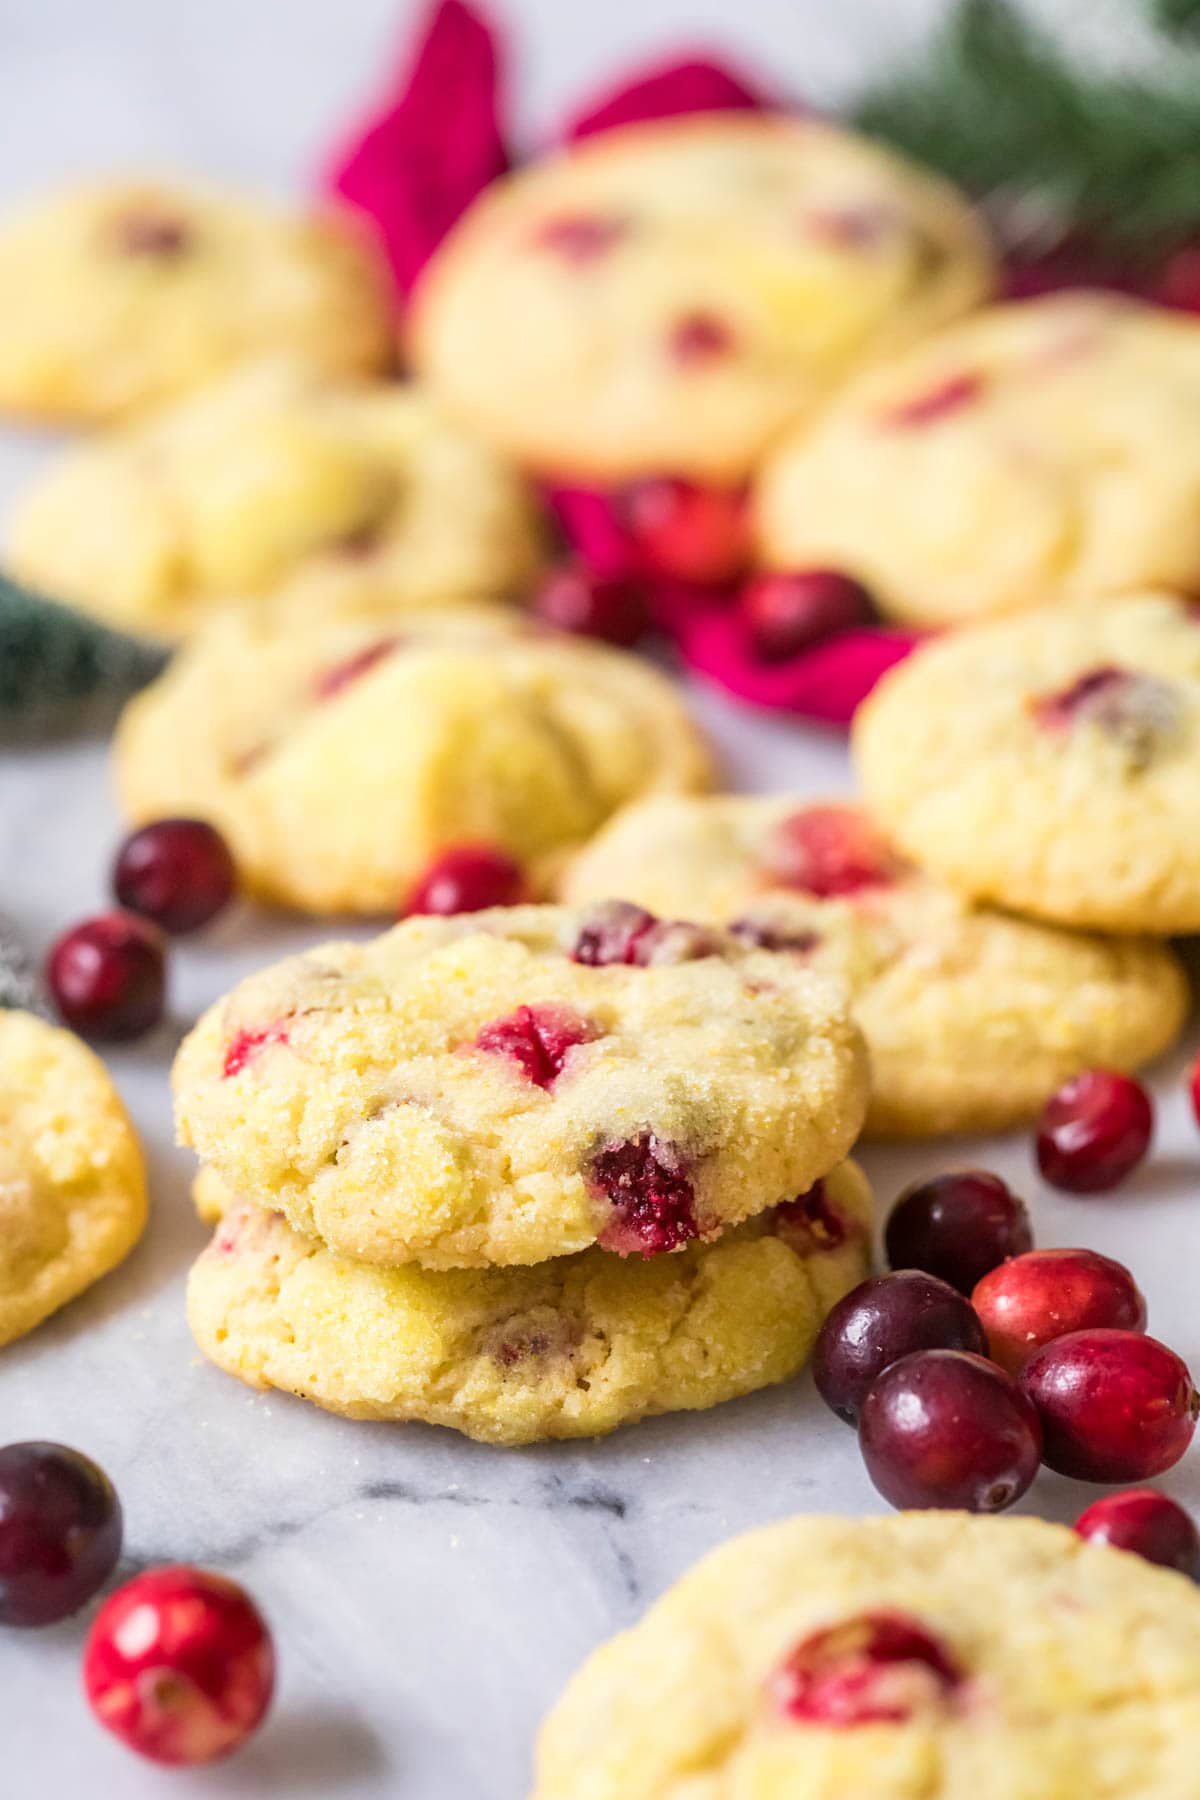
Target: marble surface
x,y
429,1596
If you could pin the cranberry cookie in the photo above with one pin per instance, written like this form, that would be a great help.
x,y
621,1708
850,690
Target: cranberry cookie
x,y
973,1018
570,1348
928,1656
1051,762
522,1083
1035,452
669,296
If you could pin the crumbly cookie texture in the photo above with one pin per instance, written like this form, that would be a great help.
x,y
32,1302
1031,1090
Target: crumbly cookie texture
x,y
927,1656
341,750
122,294
1040,451
671,295
492,1088
276,477
570,1348
973,1018
1051,762
72,1182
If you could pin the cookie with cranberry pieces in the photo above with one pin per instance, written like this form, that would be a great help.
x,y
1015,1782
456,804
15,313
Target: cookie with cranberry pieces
x,y
276,478
72,1180
973,1018
342,751
122,294
523,1083
1050,762
1034,452
568,1348
926,1656
669,296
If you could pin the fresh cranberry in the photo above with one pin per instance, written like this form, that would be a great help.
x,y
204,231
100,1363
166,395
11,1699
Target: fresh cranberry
x,y
615,931
336,680
882,1320
1149,1524
691,533
957,1226
177,872
538,1039
60,1532
179,1665
108,977
467,879
245,1046
880,1668
1114,1405
573,599
786,614
939,403
1094,1132
581,238
700,337
1044,1294
829,852
647,1184
946,1428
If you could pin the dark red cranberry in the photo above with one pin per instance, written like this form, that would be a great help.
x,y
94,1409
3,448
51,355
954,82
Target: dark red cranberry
x,y
1094,1132
957,1226
336,680
108,977
692,533
938,403
60,1532
467,879
1033,1299
582,238
881,1321
829,852
573,599
647,1184
177,872
1149,1524
615,931
788,613
245,1046
701,337
944,1428
1114,1405
179,1665
880,1668
538,1039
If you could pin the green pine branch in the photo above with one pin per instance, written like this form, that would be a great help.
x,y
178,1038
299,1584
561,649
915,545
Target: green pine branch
x,y
59,668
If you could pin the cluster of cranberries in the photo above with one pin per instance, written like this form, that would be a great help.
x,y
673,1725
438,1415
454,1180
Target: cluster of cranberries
x,y
178,1662
107,975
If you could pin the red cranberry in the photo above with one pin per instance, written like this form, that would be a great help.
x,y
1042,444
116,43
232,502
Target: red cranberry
x,y
1114,1405
957,1226
829,852
811,1223
108,977
1149,1524
245,1046
881,1321
179,1665
581,238
615,931
877,1669
786,614
939,403
342,675
692,533
60,1532
944,1428
1094,1132
467,879
538,1039
1033,1299
177,872
573,599
646,1183
700,337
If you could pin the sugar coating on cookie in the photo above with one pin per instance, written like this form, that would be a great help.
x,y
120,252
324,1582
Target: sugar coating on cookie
x,y
926,1656
671,295
1051,762
1040,451
276,477
72,1182
342,749
522,1083
121,294
973,1018
569,1348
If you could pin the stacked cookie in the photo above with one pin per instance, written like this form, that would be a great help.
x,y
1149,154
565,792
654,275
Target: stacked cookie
x,y
530,1173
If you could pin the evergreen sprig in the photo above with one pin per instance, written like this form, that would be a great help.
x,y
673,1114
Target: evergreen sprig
x,y
1055,151
60,670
